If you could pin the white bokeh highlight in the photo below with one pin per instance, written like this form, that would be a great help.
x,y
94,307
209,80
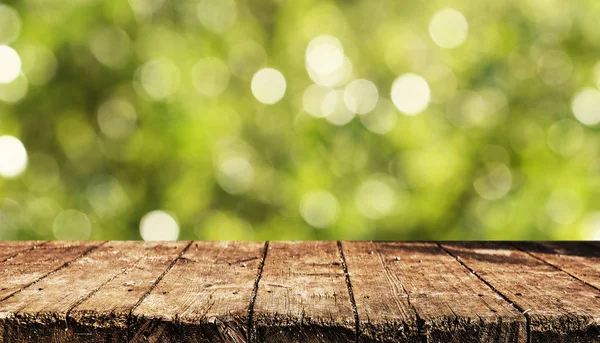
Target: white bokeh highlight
x,y
448,28
159,226
268,86
586,106
411,94
324,54
10,64
360,96
13,157
312,99
334,109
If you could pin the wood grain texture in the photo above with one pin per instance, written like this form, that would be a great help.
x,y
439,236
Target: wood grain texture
x,y
451,304
559,308
33,264
9,249
203,298
303,296
384,310
41,311
299,292
580,260
104,316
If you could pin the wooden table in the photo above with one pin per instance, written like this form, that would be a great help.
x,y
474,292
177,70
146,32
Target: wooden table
x,y
299,292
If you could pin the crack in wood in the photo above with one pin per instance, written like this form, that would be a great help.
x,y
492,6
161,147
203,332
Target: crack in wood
x,y
554,266
35,246
350,291
523,312
154,284
249,331
64,265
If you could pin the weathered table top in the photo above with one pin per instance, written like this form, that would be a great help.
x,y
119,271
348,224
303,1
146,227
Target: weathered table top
x,y
299,292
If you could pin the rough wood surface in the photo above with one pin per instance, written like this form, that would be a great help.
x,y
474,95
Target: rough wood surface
x,y
299,292
559,308
451,304
303,296
104,315
581,260
10,249
203,298
26,268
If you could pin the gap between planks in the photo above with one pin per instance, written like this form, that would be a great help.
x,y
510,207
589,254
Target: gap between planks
x,y
160,277
62,266
554,266
347,273
523,312
249,329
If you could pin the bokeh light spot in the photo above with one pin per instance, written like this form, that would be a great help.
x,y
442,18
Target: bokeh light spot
x,y
111,46
235,174
14,91
158,78
564,206
72,225
217,15
210,76
324,54
10,24
38,63
360,96
312,99
586,106
448,28
375,198
268,86
382,119
10,64
117,118
495,182
13,157
319,208
566,137
410,94
159,226
334,109
590,226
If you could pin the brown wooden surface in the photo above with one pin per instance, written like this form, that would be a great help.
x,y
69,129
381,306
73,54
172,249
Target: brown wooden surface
x,y
558,307
302,295
299,292
203,298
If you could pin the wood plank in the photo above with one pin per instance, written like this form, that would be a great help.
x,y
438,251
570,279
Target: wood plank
x,y
578,259
41,310
104,317
452,304
9,249
204,297
384,310
559,308
33,264
302,295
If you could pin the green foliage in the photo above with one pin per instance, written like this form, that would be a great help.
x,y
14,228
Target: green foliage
x,y
132,107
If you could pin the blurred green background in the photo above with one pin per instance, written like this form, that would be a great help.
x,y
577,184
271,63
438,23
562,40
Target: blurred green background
x,y
273,119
